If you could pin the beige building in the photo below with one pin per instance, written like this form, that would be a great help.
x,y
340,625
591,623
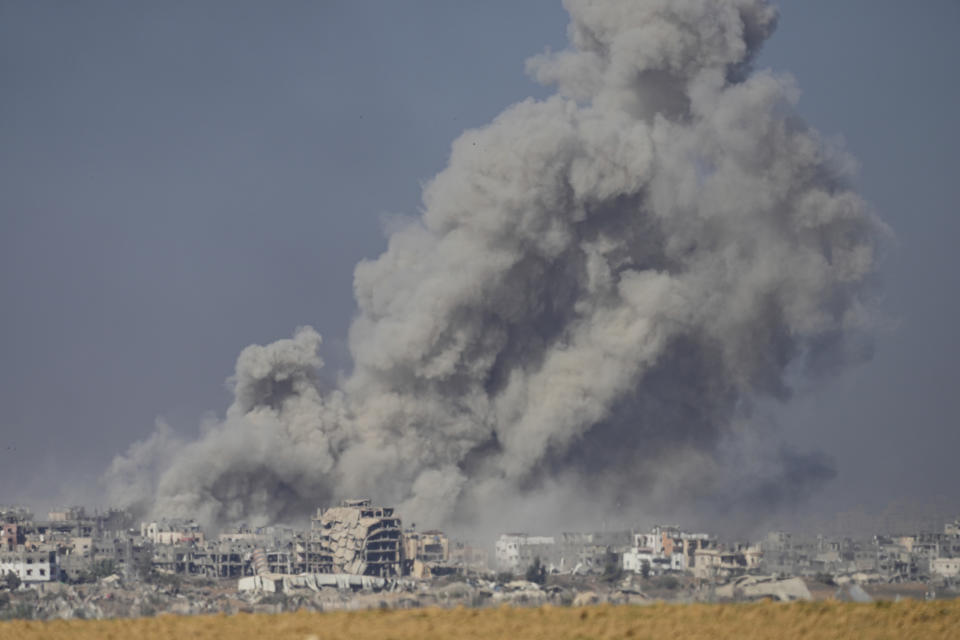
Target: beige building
x,y
82,546
67,514
357,538
426,546
710,563
945,567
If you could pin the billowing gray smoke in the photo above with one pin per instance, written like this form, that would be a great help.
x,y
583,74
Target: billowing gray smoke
x,y
601,286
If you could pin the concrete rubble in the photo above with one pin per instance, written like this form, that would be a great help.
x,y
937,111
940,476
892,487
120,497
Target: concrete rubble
x,y
277,582
757,587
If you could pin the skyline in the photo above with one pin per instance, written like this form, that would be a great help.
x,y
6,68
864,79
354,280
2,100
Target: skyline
x,y
166,207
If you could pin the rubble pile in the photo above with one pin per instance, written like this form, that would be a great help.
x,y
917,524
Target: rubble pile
x,y
758,587
114,597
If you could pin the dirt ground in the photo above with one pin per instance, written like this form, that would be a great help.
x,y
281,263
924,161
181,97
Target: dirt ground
x,y
828,620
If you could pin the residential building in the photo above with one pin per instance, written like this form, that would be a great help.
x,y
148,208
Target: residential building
x,y
517,551
30,565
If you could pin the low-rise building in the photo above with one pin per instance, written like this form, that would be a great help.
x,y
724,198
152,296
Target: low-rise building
x,y
30,565
469,557
712,563
517,551
172,532
585,552
952,528
67,514
945,567
667,548
640,560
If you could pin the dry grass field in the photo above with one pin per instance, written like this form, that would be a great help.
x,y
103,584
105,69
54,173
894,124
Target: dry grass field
x,y
907,619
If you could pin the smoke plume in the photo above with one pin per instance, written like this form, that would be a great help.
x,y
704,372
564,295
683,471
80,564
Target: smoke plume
x,y
600,287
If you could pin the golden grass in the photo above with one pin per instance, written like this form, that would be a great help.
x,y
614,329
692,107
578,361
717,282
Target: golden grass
x,y
908,619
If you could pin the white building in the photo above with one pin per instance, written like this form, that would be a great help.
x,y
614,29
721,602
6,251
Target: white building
x,y
634,559
652,541
946,567
30,566
172,532
515,551
666,548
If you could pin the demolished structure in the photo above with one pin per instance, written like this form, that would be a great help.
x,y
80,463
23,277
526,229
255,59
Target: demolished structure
x,y
426,554
356,538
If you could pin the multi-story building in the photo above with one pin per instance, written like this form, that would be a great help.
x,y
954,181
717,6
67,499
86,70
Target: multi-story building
x,y
715,562
425,553
223,559
641,559
668,548
174,558
426,546
517,551
11,535
355,537
585,552
172,532
67,514
33,565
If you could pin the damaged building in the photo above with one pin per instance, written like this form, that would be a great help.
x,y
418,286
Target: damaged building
x,y
426,554
355,537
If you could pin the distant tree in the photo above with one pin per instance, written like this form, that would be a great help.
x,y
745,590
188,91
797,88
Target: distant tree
x,y
143,567
825,578
645,569
275,598
504,576
536,572
612,571
169,581
11,580
20,611
103,568
668,582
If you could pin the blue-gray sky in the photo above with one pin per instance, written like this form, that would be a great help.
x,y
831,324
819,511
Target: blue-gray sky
x,y
179,180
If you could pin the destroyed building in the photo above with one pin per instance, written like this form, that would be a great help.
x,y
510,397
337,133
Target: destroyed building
x,y
426,546
468,557
517,551
355,537
176,531
426,553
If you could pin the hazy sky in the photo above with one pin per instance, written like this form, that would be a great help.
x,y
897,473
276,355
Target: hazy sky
x,y
181,179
